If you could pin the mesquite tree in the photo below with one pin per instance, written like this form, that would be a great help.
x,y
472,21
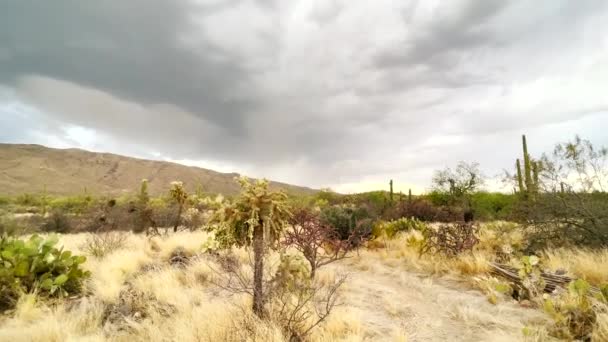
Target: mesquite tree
x,y
318,241
257,218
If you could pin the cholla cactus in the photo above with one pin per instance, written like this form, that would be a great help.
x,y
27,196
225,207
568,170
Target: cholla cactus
x,y
180,196
257,217
293,272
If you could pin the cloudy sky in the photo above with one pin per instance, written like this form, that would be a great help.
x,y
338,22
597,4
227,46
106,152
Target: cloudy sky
x,y
343,94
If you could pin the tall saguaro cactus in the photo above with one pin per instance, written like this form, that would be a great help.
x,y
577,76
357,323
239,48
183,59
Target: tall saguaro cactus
x,y
528,179
391,185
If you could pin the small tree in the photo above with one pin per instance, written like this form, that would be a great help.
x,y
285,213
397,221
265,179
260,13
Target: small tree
x,y
256,217
572,205
458,185
180,196
317,241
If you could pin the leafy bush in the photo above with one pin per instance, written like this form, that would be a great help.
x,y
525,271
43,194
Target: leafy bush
x,y
347,221
492,205
36,264
75,204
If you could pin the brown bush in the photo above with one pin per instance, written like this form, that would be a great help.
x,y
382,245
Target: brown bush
x,y
450,239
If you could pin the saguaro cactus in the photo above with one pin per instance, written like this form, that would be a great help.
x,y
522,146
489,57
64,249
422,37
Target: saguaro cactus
x,y
528,179
391,185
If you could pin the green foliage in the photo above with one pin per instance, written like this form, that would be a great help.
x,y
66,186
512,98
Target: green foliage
x,y
293,272
574,311
528,178
4,200
347,220
178,194
73,204
532,283
36,264
458,183
394,227
256,205
28,200
492,205
503,240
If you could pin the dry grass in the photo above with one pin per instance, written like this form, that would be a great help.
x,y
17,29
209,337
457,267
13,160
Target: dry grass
x,y
392,294
589,265
137,295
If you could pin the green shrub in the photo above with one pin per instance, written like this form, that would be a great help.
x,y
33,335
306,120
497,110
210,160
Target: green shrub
x,y
347,220
37,265
75,204
28,200
5,200
575,311
394,227
492,206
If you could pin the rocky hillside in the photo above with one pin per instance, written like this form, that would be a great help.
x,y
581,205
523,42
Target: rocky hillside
x,y
32,168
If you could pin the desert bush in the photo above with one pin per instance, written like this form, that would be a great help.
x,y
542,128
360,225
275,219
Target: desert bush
x,y
37,265
348,221
532,283
74,204
394,227
28,200
450,239
11,226
104,243
575,312
569,204
193,219
494,288
502,240
492,206
316,240
299,303
57,222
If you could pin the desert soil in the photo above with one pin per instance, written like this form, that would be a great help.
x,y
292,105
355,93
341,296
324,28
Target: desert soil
x,y
394,302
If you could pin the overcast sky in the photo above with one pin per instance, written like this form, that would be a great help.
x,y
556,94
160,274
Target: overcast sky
x,y
342,94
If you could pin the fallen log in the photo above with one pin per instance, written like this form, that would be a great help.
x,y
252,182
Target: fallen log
x,y
552,281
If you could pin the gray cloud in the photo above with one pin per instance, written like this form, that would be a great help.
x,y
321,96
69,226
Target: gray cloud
x,y
313,92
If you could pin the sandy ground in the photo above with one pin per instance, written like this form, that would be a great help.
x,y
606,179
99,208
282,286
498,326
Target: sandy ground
x,y
394,302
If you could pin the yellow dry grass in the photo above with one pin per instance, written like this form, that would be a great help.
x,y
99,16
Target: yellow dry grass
x,y
392,294
155,301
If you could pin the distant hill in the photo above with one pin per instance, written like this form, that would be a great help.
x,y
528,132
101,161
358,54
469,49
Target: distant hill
x,y
31,168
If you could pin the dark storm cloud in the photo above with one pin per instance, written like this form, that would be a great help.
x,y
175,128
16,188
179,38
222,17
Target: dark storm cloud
x,y
314,92
131,49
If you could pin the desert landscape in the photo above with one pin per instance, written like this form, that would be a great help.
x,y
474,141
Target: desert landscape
x,y
456,263
303,170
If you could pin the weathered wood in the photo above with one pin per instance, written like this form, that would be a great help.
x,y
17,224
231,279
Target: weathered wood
x,y
552,281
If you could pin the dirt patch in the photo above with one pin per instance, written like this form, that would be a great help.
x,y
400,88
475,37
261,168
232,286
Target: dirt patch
x,y
423,308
